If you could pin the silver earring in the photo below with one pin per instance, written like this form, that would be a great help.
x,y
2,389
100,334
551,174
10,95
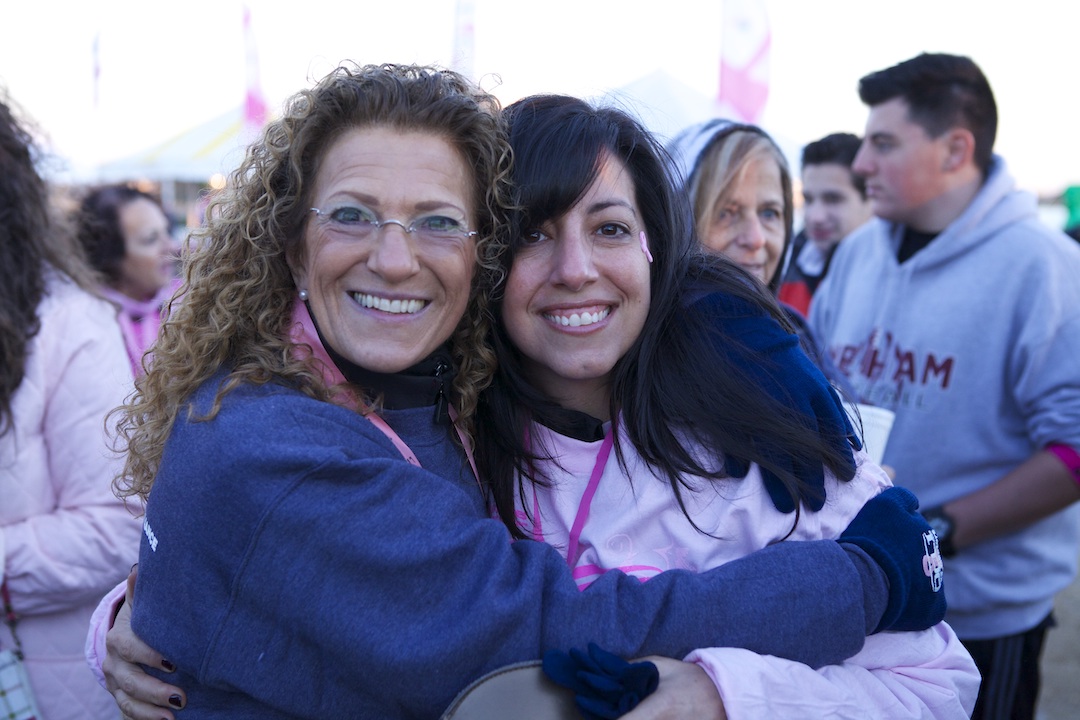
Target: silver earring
x,y
303,295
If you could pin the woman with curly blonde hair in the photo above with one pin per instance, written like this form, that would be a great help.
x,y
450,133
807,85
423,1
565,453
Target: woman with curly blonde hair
x,y
308,515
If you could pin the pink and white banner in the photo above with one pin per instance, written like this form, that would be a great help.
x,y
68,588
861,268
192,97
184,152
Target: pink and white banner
x,y
254,102
464,38
744,60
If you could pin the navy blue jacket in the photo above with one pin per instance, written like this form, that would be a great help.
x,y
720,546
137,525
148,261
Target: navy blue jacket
x,y
293,565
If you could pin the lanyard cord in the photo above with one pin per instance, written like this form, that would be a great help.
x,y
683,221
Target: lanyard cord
x,y
410,456
587,497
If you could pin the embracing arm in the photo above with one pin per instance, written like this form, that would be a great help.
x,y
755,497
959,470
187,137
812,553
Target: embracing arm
x,y
927,674
366,551
772,360
144,697
101,622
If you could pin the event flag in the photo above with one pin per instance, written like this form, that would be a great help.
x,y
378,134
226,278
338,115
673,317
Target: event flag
x,y
744,60
254,102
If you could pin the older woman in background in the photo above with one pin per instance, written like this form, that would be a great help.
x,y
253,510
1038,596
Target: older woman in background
x,y
740,187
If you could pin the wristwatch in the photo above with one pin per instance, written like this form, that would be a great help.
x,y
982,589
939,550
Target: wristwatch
x,y
943,524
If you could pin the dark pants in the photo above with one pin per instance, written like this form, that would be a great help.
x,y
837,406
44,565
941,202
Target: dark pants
x,y
1010,673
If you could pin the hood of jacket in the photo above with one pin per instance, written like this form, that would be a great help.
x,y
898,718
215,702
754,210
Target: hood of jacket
x,y
998,204
689,147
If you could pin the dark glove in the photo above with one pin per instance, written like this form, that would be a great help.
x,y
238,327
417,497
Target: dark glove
x,y
891,531
777,363
605,686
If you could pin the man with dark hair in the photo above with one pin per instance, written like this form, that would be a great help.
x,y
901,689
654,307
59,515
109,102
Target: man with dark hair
x,y
834,204
959,309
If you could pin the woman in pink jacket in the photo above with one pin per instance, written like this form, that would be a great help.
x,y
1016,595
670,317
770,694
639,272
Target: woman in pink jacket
x,y
64,537
127,238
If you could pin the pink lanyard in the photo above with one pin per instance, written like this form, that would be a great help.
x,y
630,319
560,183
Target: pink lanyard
x,y
410,456
586,499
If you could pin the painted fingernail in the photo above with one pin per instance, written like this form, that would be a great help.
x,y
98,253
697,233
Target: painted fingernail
x,y
167,666
176,701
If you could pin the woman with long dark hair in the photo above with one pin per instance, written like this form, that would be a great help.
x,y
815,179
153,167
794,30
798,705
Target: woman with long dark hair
x,y
643,418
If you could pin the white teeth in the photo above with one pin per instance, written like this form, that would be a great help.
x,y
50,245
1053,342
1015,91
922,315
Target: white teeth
x,y
386,305
579,319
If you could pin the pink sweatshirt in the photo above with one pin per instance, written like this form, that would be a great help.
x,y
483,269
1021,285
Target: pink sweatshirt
x,y
591,511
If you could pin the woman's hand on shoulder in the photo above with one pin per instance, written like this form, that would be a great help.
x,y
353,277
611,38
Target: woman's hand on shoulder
x,y
139,695
686,692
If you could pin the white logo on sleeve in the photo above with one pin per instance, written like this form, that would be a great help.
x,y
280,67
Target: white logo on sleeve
x,y
150,536
931,562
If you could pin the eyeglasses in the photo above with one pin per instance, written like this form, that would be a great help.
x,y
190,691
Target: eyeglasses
x,y
361,223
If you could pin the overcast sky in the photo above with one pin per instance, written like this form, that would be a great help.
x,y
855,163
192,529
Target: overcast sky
x,y
167,66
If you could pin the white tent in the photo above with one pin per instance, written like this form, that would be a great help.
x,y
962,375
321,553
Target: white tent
x,y
666,105
663,103
215,146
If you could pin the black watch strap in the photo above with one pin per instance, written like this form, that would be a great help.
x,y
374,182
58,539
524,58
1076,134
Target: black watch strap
x,y
943,525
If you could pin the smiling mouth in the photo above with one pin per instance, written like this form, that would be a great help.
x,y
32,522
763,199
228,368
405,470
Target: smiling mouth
x,y
578,319
396,307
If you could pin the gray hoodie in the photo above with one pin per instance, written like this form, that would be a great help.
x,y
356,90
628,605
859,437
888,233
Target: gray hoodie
x,y
974,342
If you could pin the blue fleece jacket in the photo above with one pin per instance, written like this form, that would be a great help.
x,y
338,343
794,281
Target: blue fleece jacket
x,y
293,565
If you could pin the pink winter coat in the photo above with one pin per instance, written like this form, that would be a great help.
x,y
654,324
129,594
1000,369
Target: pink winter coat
x,y
65,539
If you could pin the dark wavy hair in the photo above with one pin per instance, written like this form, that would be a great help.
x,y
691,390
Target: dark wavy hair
x,y
836,149
673,383
33,240
942,92
98,226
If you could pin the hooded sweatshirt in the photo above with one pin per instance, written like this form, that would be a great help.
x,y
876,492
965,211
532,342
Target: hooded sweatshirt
x,y
974,343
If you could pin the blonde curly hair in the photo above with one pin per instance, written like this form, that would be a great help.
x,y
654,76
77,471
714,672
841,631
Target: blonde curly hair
x,y
238,290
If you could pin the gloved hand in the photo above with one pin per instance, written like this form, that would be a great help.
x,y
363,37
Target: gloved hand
x,y
778,364
891,531
605,686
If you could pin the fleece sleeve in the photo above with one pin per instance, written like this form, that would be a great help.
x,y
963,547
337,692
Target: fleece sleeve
x,y
315,546
88,539
100,622
916,675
